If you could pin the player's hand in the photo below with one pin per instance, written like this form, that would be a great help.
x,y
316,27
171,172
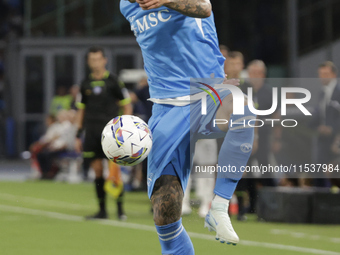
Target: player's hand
x,y
336,148
235,82
151,4
325,130
132,1
336,145
78,147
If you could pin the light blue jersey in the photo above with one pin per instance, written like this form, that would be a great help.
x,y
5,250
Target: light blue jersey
x,y
175,48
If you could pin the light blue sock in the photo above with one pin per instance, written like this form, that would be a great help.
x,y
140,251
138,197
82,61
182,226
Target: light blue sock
x,y
235,152
174,239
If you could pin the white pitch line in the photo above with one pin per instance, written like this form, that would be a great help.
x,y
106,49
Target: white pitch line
x,y
304,235
289,248
35,212
137,226
41,201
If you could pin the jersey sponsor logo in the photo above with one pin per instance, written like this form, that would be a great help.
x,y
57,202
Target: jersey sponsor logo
x,y
148,21
97,90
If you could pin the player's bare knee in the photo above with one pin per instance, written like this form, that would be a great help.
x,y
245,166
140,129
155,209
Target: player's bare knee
x,y
167,200
97,166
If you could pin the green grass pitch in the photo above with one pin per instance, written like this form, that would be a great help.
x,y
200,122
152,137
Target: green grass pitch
x,y
47,218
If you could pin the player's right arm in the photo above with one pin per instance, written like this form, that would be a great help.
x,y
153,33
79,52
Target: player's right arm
x,y
80,118
79,124
191,8
79,121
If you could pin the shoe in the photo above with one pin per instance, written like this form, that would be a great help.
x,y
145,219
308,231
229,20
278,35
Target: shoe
x,y
98,216
122,217
218,220
186,209
242,218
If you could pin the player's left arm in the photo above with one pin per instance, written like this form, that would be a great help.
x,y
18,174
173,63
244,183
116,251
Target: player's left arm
x,y
191,8
123,95
127,109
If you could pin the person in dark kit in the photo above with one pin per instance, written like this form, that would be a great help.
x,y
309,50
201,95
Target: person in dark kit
x,y
262,98
144,107
326,117
143,95
333,174
225,51
102,96
2,113
61,101
234,65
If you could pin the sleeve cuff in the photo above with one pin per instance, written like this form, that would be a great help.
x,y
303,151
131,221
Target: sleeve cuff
x,y
125,101
80,105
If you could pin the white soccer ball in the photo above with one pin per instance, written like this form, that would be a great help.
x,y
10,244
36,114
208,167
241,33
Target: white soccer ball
x,y
126,140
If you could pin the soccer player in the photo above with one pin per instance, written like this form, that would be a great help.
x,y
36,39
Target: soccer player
x,y
205,156
234,65
102,97
179,41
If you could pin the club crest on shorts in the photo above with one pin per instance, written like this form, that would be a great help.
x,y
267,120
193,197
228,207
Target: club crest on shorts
x,y
149,180
246,147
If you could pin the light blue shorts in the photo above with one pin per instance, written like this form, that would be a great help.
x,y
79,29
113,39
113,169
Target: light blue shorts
x,y
175,129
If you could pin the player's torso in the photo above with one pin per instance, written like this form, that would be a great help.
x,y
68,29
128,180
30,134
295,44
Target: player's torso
x,y
175,47
155,28
101,105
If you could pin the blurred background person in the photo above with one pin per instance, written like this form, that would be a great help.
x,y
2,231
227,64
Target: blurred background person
x,y
139,97
61,101
334,176
102,97
326,116
267,140
225,51
2,113
51,129
59,138
234,65
143,109
205,155
75,94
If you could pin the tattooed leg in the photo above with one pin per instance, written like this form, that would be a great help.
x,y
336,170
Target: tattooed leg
x,y
167,200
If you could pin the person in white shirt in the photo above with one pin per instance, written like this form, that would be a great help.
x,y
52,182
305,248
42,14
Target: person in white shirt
x,y
59,138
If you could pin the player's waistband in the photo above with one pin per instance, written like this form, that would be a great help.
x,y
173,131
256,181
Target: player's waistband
x,y
179,101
